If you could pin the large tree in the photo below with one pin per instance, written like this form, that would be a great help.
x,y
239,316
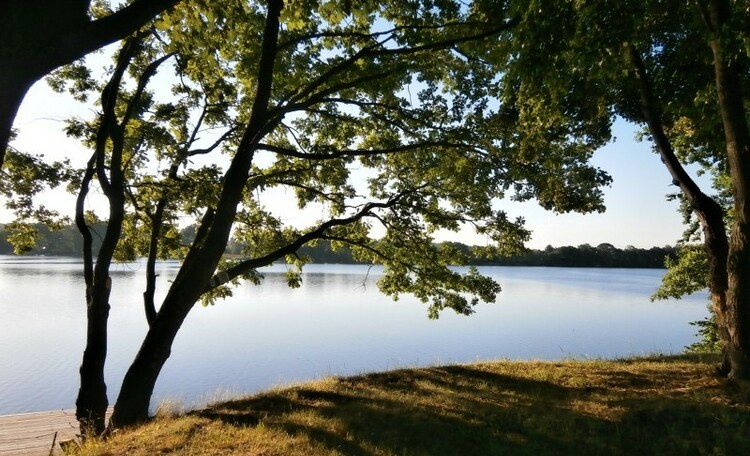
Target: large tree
x,y
381,116
679,70
37,36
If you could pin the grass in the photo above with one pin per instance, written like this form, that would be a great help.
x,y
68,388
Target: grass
x,y
664,405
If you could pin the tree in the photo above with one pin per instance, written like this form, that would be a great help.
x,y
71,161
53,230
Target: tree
x,y
302,97
676,68
37,36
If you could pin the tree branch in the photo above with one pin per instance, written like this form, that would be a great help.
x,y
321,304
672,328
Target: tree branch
x,y
354,152
108,123
98,33
708,211
358,244
321,194
651,114
83,228
147,74
376,50
213,146
248,265
315,98
376,35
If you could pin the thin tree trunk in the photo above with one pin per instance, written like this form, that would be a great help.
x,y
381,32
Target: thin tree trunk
x,y
737,136
91,403
153,249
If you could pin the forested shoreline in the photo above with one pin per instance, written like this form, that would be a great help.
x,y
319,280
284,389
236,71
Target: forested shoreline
x,y
67,242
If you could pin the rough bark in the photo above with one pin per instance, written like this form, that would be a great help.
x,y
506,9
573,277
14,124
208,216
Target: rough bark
x,y
737,136
133,401
37,36
706,209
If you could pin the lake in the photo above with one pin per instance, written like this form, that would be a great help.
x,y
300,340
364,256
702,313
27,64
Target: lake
x,y
336,323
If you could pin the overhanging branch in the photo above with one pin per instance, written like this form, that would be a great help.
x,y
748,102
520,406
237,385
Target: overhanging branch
x,y
106,30
248,265
354,152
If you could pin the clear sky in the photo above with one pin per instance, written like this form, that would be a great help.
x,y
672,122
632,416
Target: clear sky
x,y
637,211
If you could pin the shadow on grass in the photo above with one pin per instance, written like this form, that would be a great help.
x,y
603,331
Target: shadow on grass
x,y
458,410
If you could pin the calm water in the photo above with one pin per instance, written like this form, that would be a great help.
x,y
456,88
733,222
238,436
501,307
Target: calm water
x,y
336,323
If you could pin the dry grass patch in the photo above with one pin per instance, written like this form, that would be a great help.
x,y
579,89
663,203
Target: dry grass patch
x,y
641,406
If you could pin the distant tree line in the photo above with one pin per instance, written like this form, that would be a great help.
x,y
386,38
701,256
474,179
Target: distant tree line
x,y
604,255
67,242
63,242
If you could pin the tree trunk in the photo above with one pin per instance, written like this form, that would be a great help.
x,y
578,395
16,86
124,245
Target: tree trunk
x,y
705,208
716,244
738,298
724,47
200,263
91,404
133,401
132,404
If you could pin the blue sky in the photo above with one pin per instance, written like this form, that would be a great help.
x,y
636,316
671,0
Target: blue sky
x,y
637,211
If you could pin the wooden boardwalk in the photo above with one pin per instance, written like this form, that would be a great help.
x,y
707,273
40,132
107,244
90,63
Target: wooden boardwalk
x,y
33,433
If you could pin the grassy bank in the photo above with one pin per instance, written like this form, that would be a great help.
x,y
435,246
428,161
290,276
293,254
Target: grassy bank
x,y
643,406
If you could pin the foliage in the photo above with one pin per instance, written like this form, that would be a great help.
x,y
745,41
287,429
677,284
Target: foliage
x,y
387,116
24,177
65,241
655,64
687,273
554,72
708,332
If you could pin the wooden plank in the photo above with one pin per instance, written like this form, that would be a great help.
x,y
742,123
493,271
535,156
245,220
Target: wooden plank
x,y
32,434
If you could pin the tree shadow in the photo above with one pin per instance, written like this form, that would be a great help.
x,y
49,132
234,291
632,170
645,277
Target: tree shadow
x,y
469,410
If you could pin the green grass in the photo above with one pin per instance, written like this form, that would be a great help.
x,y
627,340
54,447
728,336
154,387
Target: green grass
x,y
661,406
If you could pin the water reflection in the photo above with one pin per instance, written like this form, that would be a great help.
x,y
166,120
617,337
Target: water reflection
x,y
336,323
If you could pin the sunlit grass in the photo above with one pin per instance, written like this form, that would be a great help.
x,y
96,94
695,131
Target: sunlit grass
x,y
642,406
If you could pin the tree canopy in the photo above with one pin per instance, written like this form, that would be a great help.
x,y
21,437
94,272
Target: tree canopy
x,y
388,119
680,70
